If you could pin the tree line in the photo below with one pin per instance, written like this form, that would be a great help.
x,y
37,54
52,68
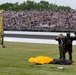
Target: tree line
x,y
32,5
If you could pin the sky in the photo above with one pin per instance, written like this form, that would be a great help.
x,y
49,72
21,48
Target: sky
x,y
71,3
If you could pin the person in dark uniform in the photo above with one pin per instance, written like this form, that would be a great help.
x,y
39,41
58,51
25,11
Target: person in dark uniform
x,y
68,45
60,39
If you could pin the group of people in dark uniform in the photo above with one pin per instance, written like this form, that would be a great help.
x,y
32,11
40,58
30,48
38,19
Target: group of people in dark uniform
x,y
65,45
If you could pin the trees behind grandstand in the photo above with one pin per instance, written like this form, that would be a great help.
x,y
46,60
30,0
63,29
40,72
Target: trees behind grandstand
x,y
31,5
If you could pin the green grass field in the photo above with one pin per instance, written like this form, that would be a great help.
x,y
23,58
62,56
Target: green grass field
x,y
14,59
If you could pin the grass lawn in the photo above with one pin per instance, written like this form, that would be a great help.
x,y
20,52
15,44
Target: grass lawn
x,y
14,59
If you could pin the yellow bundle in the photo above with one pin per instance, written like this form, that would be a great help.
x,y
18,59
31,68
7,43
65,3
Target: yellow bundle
x,y
40,60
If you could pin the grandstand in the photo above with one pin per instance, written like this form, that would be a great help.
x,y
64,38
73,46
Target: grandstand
x,y
47,21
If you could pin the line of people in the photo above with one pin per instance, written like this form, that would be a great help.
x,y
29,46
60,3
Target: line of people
x,y
65,45
32,19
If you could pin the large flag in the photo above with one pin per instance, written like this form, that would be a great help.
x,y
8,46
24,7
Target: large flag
x,y
1,27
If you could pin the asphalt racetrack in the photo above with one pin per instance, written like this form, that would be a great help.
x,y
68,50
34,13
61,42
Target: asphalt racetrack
x,y
33,37
30,36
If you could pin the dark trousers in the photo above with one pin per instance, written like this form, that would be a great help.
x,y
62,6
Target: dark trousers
x,y
69,52
61,52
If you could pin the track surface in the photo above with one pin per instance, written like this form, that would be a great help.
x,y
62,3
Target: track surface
x,y
30,36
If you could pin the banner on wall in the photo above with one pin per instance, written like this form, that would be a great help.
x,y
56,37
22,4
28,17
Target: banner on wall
x,y
1,27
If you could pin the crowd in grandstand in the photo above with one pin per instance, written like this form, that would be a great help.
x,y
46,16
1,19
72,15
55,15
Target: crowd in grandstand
x,y
25,20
